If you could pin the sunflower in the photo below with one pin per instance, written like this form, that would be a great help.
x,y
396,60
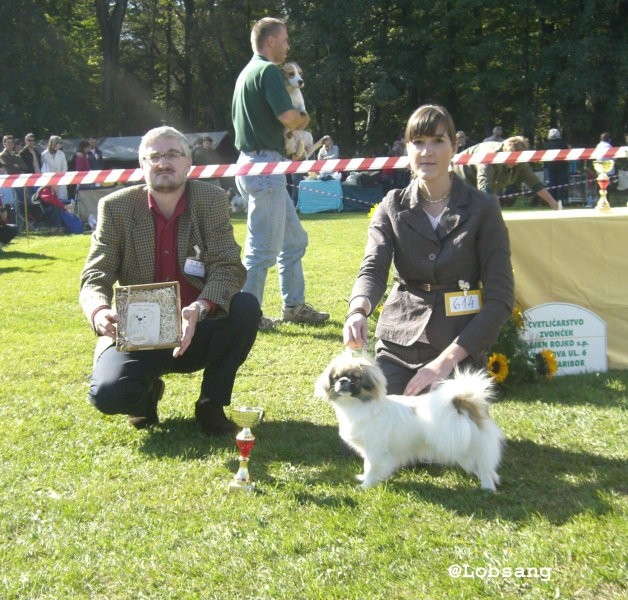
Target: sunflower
x,y
546,363
518,318
372,211
498,367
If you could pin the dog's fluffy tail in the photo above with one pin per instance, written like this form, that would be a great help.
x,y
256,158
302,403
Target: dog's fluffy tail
x,y
459,406
470,393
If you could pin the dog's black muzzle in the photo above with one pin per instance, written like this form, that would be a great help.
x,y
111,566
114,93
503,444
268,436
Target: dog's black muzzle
x,y
344,384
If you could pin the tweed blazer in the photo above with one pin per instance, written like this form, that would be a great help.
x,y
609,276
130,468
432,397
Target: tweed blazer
x,y
470,244
123,246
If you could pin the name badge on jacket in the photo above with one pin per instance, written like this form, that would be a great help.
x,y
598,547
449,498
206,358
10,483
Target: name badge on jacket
x,y
463,303
194,267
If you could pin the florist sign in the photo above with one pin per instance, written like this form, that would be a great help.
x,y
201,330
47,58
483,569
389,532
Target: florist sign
x,y
575,335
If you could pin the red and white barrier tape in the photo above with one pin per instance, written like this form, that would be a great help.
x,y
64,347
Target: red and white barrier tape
x,y
306,166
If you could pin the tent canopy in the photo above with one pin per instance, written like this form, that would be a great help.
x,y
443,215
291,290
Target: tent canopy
x,y
121,152
125,148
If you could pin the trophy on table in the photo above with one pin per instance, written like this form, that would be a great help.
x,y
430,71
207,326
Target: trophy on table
x,y
245,417
603,168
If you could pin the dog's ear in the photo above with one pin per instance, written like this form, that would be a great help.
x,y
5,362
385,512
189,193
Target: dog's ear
x,y
323,384
368,381
373,379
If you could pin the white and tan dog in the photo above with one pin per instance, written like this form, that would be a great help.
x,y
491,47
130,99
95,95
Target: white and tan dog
x,y
293,78
448,425
299,143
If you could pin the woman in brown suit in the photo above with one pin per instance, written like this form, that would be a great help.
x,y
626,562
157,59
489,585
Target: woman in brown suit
x,y
453,283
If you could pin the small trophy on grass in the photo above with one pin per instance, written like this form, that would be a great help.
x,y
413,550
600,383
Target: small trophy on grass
x,y
245,417
603,168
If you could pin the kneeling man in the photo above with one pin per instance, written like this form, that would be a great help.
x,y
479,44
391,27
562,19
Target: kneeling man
x,y
169,229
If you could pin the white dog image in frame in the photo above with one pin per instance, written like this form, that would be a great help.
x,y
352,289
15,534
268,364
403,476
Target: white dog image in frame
x,y
143,322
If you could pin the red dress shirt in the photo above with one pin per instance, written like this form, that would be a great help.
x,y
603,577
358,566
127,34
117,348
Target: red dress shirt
x,y
166,262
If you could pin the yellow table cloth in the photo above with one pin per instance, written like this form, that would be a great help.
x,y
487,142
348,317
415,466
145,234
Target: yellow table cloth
x,y
578,256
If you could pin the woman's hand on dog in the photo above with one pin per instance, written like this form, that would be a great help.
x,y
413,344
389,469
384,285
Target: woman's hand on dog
x,y
425,378
436,370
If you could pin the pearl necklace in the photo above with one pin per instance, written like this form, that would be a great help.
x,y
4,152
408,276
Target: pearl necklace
x,y
429,200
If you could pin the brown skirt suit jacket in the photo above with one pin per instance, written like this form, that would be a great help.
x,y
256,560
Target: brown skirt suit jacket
x,y
470,244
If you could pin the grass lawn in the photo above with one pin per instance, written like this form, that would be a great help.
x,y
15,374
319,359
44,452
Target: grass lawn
x,y
91,508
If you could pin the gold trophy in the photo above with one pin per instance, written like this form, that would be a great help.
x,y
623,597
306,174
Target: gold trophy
x,y
602,168
245,417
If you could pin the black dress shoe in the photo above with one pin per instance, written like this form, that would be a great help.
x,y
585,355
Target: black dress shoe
x,y
212,418
151,417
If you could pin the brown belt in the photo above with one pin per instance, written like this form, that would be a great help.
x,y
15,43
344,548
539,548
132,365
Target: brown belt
x,y
428,287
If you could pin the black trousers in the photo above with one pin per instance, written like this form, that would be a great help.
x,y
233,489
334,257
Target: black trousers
x,y
122,381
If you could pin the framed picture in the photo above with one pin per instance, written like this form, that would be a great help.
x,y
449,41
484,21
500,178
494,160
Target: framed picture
x,y
149,316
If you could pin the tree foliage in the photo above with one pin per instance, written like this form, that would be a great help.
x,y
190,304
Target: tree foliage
x,y
122,66
46,81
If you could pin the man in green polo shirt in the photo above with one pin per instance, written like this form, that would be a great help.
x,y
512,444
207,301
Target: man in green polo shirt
x,y
261,109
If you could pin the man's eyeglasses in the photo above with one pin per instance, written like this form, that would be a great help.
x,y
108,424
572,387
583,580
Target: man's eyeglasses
x,y
155,158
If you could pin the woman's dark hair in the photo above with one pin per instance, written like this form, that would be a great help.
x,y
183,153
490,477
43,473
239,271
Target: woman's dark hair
x,y
426,120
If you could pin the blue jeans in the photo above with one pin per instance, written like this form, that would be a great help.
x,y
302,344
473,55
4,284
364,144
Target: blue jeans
x,y
274,232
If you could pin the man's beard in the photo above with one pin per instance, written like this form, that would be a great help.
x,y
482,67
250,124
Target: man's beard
x,y
166,187
170,184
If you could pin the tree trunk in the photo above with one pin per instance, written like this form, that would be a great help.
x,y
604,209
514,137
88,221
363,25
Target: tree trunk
x,y
187,88
110,23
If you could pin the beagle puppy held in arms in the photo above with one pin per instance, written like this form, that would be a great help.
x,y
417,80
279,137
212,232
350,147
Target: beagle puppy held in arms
x,y
299,143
